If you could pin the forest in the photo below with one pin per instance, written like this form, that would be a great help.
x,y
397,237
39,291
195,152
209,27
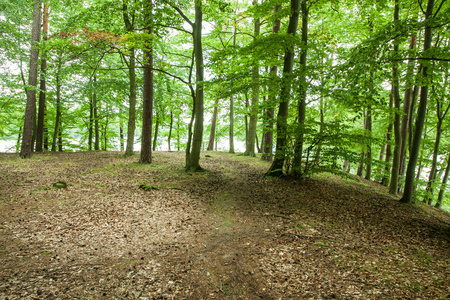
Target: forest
x,y
224,149
346,87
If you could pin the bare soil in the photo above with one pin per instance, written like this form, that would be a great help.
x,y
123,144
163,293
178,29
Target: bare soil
x,y
121,230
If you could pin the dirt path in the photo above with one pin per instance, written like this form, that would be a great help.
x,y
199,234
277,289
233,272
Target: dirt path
x,y
226,233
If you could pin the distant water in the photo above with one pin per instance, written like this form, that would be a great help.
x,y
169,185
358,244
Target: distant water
x,y
8,146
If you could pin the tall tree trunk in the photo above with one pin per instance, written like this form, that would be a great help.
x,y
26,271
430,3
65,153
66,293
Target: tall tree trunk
x,y
96,128
30,111
147,111
406,108
91,124
276,169
170,129
193,155
128,19
231,127
368,132
323,105
155,138
58,105
387,168
433,171
415,147
121,137
132,105
444,183
270,112
60,139
251,136
213,126
105,136
301,107
393,186
41,111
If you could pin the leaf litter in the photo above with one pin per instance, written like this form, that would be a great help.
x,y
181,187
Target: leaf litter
x,y
120,230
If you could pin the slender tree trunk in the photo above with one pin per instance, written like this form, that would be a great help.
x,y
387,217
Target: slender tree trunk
x,y
213,126
415,148
251,136
96,128
393,187
60,139
105,136
276,169
155,138
41,111
91,124
193,155
231,129
19,138
360,170
121,137
270,113
147,111
132,102
387,168
30,111
58,105
406,108
170,129
301,108
433,171
444,183
368,132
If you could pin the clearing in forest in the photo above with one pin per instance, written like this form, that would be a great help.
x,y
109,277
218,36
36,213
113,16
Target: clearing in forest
x,y
121,230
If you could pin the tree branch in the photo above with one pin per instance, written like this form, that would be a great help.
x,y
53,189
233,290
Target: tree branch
x,y
179,12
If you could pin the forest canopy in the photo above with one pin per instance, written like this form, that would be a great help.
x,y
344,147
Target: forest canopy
x,y
348,87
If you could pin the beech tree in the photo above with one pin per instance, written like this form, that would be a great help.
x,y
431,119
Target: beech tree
x,y
30,112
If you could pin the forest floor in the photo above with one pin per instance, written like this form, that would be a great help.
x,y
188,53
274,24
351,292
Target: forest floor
x,y
121,230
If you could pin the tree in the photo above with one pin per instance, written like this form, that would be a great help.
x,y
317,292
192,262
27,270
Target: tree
x,y
415,147
146,151
131,63
41,113
276,168
30,113
193,152
267,139
301,107
251,136
393,186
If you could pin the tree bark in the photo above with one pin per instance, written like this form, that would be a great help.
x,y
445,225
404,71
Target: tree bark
x,y
368,132
415,147
444,183
91,124
96,127
385,180
155,138
193,155
276,169
212,134
170,129
132,105
301,107
58,105
270,112
30,111
406,108
147,111
393,186
42,88
251,136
